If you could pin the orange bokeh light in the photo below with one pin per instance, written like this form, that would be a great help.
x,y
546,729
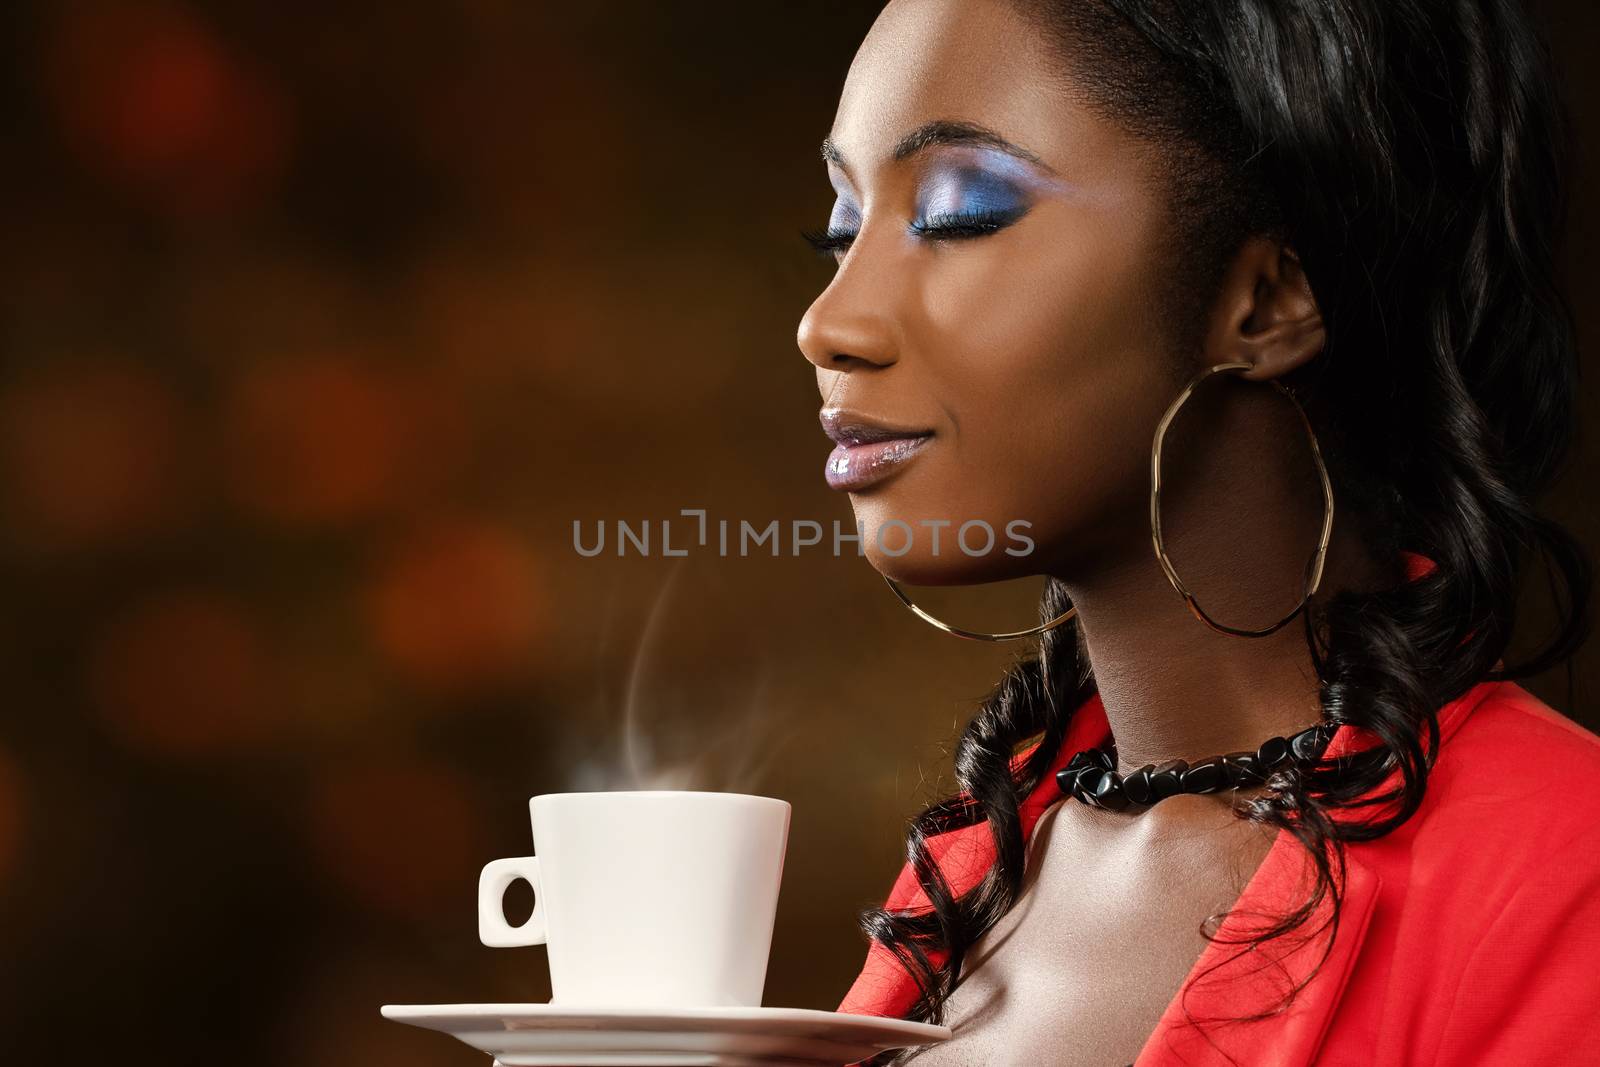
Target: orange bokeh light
x,y
401,836
327,440
149,94
185,675
89,454
456,604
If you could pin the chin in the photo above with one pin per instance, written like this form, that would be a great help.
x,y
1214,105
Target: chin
x,y
926,551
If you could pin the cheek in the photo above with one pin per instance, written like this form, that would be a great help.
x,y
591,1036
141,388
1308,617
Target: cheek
x,y
1046,351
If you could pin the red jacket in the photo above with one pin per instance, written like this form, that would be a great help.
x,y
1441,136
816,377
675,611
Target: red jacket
x,y
1470,935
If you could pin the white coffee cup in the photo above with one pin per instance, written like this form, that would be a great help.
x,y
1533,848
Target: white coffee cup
x,y
647,899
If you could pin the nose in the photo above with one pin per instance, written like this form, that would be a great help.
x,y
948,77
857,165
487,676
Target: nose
x,y
849,327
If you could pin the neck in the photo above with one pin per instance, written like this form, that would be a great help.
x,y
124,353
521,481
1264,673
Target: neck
x,y
1239,535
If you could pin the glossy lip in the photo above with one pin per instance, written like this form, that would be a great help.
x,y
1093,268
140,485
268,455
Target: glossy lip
x,y
867,450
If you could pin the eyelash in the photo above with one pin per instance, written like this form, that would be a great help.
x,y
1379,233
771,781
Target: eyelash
x,y
959,225
828,243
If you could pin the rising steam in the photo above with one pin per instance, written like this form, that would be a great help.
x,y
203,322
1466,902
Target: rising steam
x,y
721,736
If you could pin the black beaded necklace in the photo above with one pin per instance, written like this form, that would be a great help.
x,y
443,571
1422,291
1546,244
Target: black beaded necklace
x,y
1091,776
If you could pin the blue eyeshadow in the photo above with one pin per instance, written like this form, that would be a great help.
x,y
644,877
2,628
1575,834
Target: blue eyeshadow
x,y
844,218
969,190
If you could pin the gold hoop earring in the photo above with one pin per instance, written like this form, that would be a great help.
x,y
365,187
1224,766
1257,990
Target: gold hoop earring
x,y
977,635
1318,558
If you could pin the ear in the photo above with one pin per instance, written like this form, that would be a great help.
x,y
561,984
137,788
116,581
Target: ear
x,y
1265,313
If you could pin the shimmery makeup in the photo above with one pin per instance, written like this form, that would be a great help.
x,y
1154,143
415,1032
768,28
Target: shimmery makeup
x,y
854,467
969,190
845,217
972,181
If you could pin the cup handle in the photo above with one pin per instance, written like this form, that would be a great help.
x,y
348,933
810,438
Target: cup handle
x,y
493,930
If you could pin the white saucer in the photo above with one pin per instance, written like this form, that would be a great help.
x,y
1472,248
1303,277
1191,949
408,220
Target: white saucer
x,y
550,1035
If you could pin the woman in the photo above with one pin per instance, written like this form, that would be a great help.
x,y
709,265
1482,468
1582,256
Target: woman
x,y
1080,238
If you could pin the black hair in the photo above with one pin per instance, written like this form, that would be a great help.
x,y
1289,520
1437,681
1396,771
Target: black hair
x,y
1414,156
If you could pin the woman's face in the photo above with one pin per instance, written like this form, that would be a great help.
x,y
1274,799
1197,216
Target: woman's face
x,y
990,350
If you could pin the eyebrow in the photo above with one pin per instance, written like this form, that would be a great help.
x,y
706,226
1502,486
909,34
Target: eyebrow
x,y
942,132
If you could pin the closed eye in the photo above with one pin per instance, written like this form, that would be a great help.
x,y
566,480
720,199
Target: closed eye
x,y
958,225
944,227
828,243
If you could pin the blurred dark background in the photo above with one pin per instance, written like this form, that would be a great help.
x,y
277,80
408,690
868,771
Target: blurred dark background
x,y
323,323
